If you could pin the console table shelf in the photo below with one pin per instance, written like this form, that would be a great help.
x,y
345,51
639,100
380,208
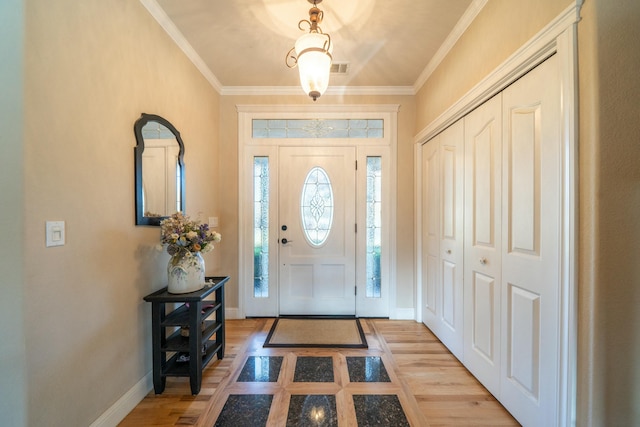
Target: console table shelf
x,y
175,355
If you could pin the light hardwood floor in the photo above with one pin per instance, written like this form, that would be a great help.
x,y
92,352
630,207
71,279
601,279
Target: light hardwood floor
x,y
433,387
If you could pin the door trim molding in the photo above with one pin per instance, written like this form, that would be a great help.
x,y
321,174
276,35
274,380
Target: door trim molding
x,y
247,145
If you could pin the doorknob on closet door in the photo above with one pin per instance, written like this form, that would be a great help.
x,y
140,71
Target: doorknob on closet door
x,y
483,261
449,251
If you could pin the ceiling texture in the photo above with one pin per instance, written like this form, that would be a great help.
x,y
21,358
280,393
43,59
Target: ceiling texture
x,y
388,46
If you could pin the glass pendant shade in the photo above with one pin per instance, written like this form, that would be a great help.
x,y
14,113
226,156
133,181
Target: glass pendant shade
x,y
313,51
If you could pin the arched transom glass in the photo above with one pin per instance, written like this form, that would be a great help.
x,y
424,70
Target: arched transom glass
x,y
316,206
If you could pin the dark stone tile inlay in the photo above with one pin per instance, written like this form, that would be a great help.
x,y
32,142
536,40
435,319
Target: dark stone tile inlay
x,y
368,369
313,370
312,410
261,369
379,410
240,410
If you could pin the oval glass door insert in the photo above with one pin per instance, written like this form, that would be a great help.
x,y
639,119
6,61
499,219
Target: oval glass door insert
x,y
316,206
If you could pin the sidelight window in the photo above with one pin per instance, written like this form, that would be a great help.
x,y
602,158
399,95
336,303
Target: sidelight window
x,y
374,226
261,227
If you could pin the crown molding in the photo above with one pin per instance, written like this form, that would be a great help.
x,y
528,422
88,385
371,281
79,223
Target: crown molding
x,y
332,90
461,26
170,28
322,108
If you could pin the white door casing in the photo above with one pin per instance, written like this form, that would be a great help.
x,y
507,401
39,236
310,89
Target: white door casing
x,y
251,146
317,277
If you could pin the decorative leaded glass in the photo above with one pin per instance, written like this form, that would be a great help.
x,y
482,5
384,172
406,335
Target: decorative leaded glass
x,y
261,227
318,128
374,226
316,206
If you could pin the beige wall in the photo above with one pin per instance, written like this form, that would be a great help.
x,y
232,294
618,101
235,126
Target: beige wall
x,y
609,340
229,192
92,68
609,179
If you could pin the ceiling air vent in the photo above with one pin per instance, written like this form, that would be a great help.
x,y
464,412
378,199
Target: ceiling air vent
x,y
339,68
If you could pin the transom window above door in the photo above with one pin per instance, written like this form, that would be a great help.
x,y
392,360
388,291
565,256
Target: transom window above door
x,y
318,128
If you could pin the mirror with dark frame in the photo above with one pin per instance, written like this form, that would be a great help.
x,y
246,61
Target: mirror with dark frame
x,y
159,170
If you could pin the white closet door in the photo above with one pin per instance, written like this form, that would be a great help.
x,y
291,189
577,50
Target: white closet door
x,y
431,233
451,304
483,181
442,242
531,246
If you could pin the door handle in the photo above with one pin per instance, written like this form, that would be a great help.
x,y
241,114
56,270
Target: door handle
x,y
285,241
483,261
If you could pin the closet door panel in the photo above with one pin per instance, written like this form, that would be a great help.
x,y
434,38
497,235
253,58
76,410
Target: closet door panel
x,y
531,245
451,241
483,316
431,233
482,293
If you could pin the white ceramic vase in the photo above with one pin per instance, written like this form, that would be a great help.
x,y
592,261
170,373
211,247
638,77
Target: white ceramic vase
x,y
185,273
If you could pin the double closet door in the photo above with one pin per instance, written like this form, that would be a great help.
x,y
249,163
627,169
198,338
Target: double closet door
x,y
491,243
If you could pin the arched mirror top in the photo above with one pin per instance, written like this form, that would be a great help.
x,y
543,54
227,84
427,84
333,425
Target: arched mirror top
x,y
159,170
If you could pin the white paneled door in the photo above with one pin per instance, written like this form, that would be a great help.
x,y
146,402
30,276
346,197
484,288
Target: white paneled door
x,y
531,245
483,159
317,240
430,233
443,172
451,237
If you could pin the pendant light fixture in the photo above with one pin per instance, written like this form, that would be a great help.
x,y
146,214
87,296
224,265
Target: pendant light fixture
x,y
312,54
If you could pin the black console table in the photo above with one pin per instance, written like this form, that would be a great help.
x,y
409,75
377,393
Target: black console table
x,y
175,354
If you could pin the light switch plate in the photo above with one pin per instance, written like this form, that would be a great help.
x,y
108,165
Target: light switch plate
x,y
55,233
213,221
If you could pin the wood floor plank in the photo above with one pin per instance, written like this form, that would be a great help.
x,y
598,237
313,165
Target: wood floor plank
x,y
433,387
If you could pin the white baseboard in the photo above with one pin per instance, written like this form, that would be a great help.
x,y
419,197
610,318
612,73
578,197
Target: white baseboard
x,y
405,314
116,413
232,313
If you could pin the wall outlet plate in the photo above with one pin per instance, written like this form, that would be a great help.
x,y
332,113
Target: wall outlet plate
x,y
55,233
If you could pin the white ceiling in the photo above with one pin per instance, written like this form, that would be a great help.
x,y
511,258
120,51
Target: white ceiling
x,y
391,46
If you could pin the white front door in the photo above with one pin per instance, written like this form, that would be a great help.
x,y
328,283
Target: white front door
x,y
316,230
